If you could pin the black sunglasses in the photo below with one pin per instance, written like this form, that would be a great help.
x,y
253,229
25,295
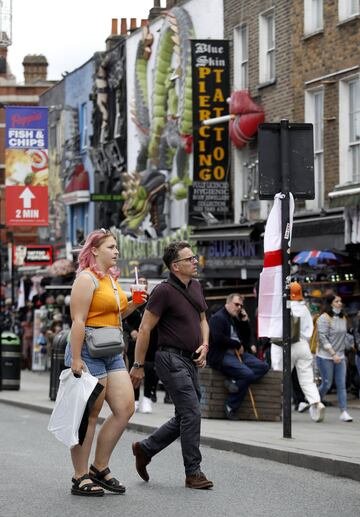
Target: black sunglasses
x,y
193,258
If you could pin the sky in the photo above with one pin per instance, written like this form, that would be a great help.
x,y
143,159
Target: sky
x,y
67,32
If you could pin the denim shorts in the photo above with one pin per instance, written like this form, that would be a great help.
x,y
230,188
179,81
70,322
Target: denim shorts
x,y
99,367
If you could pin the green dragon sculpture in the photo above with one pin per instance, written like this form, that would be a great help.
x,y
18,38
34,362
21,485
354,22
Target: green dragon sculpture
x,y
165,136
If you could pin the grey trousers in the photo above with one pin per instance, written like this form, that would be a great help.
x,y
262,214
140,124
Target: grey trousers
x,y
180,378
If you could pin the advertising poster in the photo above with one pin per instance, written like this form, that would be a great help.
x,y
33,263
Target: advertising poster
x,y
33,255
26,166
209,195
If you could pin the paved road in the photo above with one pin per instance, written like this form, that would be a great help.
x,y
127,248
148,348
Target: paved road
x,y
35,477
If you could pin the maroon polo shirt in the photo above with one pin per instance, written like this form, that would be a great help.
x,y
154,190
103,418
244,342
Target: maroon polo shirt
x,y
179,324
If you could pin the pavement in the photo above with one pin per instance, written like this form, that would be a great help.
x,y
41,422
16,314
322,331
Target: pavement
x,y
331,447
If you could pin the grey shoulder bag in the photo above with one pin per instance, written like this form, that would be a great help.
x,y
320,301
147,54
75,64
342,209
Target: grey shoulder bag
x,y
106,341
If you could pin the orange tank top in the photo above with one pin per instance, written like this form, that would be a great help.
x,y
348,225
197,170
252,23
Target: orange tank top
x,y
103,311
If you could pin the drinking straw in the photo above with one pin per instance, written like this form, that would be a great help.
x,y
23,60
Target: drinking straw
x,y
136,276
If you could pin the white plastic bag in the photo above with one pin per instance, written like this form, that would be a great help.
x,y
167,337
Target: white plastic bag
x,y
70,405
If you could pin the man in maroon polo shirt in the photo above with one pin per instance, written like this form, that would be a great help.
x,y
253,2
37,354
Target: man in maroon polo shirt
x,y
183,336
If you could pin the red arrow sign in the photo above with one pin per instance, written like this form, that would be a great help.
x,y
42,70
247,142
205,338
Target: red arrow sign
x,y
27,206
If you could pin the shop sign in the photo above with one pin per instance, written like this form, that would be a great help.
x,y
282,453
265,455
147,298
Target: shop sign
x,y
32,255
237,248
210,191
26,166
106,197
230,254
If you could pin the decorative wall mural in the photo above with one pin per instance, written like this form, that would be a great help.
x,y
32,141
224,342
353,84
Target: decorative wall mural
x,y
109,131
165,135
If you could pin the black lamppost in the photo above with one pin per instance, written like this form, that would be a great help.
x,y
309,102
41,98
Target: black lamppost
x,y
11,266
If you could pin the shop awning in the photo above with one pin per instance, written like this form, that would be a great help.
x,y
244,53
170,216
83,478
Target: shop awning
x,y
321,232
226,232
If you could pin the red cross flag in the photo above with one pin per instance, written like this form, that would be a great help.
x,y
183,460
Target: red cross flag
x,y
270,322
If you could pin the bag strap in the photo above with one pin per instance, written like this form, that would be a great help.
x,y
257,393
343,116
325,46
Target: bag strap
x,y
186,294
93,278
116,293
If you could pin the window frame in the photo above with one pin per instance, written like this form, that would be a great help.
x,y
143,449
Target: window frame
x,y
84,137
267,53
346,146
241,73
311,25
318,122
346,11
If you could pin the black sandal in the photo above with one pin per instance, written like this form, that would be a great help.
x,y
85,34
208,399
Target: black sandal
x,y
86,489
111,484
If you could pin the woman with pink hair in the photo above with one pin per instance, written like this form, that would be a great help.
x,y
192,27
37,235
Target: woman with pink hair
x,y
94,303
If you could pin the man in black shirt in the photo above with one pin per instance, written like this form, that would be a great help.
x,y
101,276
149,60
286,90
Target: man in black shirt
x,y
177,307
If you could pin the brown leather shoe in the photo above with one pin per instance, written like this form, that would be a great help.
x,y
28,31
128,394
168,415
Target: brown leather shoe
x,y
198,480
141,461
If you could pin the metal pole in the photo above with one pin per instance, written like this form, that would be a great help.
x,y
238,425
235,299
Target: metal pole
x,y
285,230
13,271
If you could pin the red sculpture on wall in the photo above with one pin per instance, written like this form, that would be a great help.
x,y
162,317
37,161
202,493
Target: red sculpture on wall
x,y
246,115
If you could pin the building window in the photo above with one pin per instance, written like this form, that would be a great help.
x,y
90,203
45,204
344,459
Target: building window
x,y
314,113
117,125
241,58
267,47
313,16
349,130
83,127
354,129
348,8
86,222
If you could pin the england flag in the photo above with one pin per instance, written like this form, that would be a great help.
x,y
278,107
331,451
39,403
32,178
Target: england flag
x,y
270,320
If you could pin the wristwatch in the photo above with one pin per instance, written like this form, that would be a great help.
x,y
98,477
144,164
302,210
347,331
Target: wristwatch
x,y
138,365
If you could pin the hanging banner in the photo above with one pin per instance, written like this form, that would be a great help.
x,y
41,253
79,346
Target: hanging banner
x,y
26,166
210,192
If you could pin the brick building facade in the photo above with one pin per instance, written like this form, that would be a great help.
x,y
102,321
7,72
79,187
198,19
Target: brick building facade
x,y
312,52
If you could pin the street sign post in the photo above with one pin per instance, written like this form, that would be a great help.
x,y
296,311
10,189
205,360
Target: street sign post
x,y
286,164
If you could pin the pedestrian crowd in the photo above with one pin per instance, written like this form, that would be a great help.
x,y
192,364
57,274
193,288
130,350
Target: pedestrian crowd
x,y
167,338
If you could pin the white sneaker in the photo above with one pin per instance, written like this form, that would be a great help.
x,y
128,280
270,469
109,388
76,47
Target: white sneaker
x,y
317,412
303,406
146,405
345,417
136,406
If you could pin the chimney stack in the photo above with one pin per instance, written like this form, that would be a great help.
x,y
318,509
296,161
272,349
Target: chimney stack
x,y
35,68
156,10
115,37
133,26
123,27
114,27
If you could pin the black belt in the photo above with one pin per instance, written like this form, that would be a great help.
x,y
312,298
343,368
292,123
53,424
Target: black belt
x,y
175,350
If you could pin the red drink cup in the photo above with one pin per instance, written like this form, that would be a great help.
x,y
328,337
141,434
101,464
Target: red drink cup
x,y
138,290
